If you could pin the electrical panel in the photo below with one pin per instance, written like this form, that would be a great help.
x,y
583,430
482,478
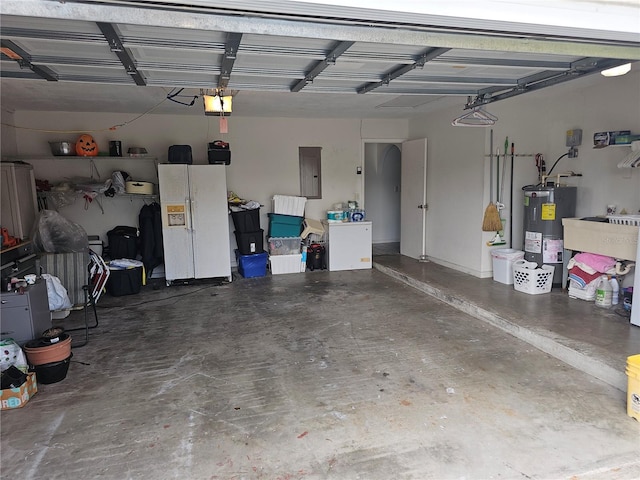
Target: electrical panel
x,y
574,138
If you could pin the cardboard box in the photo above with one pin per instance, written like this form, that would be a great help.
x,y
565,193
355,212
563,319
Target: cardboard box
x,y
603,238
18,397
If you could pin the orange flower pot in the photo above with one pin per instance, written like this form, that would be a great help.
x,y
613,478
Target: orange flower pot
x,y
45,350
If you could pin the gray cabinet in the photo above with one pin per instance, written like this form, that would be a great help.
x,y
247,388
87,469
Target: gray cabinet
x,y
19,204
25,316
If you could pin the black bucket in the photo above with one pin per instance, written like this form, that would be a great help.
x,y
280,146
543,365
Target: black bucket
x,y
52,372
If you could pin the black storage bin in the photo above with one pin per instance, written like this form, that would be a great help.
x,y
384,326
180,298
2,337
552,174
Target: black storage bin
x,y
123,242
250,242
246,220
218,153
125,281
180,154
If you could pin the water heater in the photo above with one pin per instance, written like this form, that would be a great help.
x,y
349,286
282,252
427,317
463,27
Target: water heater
x,y
544,209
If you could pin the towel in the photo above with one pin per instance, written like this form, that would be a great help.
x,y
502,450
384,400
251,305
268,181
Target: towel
x,y
581,277
600,263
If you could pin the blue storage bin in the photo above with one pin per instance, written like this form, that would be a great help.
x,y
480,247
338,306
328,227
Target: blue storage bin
x,y
250,266
284,225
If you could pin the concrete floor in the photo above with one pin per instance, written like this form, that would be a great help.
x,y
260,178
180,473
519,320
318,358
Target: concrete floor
x,y
337,375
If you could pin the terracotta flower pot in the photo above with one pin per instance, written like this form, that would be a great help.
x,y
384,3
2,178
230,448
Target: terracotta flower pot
x,y
45,350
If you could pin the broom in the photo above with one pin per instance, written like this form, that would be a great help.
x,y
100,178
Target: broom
x,y
491,221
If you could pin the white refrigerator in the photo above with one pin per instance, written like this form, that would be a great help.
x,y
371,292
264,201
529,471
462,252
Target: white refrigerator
x,y
349,245
195,221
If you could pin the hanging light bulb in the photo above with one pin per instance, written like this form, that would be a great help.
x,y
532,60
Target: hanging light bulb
x,y
217,104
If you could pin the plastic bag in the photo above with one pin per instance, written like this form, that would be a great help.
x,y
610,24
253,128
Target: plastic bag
x,y
52,233
58,296
12,354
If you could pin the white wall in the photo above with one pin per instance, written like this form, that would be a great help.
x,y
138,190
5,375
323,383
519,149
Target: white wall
x,y
382,190
458,185
8,137
264,156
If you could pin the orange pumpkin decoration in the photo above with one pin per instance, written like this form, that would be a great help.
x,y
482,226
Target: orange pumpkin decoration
x,y
86,146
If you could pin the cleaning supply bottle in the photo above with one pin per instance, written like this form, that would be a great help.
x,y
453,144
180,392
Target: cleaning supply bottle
x,y
615,291
604,292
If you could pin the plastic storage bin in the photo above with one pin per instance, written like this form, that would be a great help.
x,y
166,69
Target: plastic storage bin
x,y
284,245
246,220
124,281
250,242
250,266
286,264
633,386
528,278
284,225
287,205
633,220
503,259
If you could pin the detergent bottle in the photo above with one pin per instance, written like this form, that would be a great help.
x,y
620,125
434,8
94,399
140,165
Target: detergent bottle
x,y
615,291
604,292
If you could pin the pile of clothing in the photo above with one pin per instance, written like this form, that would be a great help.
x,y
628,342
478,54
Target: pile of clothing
x,y
585,270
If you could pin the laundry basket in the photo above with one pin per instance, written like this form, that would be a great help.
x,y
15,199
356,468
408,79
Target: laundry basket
x,y
528,278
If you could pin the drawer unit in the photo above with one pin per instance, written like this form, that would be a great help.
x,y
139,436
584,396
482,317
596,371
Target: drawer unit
x,y
25,316
18,261
14,299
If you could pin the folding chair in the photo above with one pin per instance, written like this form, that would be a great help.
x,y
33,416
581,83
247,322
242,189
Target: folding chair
x,y
98,276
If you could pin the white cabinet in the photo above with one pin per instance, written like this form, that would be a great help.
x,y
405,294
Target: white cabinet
x,y
195,221
349,245
19,203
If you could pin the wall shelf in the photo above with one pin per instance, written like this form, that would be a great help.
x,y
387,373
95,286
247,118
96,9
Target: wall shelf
x,y
76,157
43,198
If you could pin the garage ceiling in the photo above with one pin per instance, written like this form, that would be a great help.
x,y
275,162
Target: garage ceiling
x,y
277,59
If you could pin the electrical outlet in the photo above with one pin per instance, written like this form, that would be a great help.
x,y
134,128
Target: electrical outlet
x,y
573,152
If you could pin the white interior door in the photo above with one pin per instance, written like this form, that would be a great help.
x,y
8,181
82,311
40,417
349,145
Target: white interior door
x,y
413,198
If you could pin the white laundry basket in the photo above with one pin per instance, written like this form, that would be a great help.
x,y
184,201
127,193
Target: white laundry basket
x,y
528,278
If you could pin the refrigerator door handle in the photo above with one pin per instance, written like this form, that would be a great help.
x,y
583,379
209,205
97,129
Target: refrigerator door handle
x,y
187,202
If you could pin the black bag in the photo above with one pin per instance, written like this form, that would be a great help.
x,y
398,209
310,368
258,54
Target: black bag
x,y
151,250
316,257
180,154
219,153
123,242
